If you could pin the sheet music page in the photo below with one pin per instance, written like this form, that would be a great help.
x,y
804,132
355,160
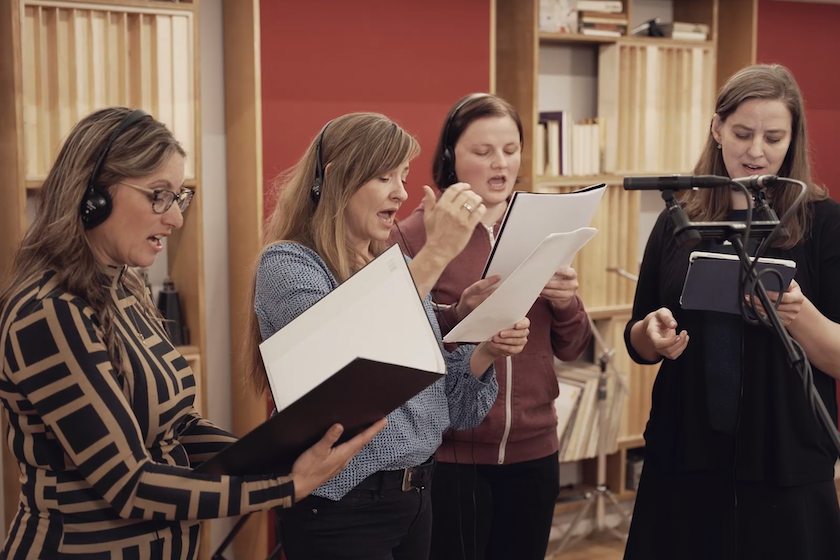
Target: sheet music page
x,y
516,295
532,217
376,314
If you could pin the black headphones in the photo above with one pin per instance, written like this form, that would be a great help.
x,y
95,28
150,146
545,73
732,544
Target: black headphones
x,y
96,204
319,167
448,148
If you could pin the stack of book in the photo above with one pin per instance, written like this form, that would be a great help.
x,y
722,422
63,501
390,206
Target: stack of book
x,y
567,148
583,16
685,31
603,19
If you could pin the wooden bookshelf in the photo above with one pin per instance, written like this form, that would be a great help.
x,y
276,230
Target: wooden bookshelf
x,y
61,60
647,91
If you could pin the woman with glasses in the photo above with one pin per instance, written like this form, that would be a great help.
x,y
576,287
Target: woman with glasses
x,y
99,401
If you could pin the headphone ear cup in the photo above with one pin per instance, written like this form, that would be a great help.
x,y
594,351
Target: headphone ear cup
x,y
96,207
449,168
316,190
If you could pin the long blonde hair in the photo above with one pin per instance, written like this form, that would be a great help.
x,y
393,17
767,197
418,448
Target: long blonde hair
x,y
56,240
356,148
770,82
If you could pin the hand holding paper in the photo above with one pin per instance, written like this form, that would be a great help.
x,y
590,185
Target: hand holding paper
x,y
512,300
561,288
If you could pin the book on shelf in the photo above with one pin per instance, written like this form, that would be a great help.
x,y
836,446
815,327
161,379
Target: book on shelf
x,y
569,149
604,21
617,17
611,6
687,36
602,30
684,27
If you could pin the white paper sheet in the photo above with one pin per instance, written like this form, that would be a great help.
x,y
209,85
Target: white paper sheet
x,y
516,295
532,217
376,314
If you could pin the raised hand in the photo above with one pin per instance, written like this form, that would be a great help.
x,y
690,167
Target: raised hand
x,y
660,328
451,220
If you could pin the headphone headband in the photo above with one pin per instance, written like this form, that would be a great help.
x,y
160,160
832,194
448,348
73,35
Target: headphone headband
x,y
319,166
96,203
448,152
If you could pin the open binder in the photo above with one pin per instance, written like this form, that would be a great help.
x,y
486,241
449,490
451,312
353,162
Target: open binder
x,y
352,358
711,283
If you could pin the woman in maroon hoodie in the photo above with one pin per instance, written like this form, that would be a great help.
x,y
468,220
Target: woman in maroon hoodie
x,y
495,486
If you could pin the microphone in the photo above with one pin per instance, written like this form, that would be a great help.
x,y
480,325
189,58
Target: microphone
x,y
674,182
754,182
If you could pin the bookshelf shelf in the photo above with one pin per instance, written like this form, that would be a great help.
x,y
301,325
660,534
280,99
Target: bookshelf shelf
x,y
549,38
663,42
631,442
599,313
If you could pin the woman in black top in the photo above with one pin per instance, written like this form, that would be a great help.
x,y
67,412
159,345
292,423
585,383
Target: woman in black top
x,y
736,465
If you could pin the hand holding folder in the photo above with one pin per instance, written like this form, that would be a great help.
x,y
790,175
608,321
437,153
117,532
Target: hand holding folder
x,y
352,358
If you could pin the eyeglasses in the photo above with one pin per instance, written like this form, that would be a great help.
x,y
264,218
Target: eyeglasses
x,y
162,199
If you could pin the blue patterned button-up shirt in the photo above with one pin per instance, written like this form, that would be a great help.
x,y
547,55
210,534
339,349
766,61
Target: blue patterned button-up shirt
x,y
291,278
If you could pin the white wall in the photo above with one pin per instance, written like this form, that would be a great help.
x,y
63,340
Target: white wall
x,y
213,193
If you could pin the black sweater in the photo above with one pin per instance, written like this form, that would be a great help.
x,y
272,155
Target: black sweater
x,y
778,438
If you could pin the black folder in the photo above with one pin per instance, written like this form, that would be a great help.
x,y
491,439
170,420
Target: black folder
x,y
356,397
353,391
711,283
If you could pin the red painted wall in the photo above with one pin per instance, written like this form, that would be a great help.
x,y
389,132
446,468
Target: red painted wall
x,y
410,60
804,37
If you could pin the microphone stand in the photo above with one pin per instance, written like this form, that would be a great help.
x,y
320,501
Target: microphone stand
x,y
601,491
733,232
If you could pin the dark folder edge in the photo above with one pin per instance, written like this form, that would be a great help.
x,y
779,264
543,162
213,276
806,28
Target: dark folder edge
x,y
356,396
507,213
690,300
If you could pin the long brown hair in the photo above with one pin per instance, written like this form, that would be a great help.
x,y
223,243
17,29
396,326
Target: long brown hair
x,y
56,240
770,82
356,148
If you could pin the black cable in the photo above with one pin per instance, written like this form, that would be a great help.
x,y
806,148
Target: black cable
x,y
475,483
750,284
441,317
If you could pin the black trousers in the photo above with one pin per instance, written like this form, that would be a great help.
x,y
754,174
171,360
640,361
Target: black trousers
x,y
694,516
376,520
494,512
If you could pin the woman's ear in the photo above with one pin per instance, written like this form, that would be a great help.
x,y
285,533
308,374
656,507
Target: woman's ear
x,y
717,126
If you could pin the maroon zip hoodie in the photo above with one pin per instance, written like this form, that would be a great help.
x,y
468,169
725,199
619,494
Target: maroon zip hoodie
x,y
522,424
